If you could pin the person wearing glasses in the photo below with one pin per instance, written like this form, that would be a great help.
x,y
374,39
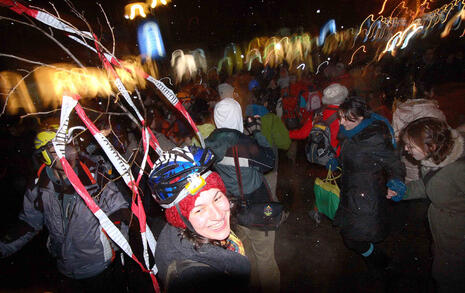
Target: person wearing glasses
x,y
196,251
440,151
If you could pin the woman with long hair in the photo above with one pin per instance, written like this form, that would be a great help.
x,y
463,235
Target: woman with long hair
x,y
440,151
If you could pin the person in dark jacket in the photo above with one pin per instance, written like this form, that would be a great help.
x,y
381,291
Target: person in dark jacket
x,y
197,251
84,252
369,164
441,153
255,157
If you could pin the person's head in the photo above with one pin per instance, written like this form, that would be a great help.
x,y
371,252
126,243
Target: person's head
x,y
194,198
228,114
43,145
225,90
200,111
427,138
334,94
352,111
48,156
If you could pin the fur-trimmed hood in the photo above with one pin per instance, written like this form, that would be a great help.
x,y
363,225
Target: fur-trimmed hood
x,y
457,152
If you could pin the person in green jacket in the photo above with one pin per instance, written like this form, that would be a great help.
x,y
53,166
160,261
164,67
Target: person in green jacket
x,y
275,132
440,150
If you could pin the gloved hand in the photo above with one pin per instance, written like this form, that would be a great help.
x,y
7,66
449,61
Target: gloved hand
x,y
399,187
252,125
332,164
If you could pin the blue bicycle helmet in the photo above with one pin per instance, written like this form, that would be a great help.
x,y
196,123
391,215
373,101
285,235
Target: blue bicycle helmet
x,y
175,173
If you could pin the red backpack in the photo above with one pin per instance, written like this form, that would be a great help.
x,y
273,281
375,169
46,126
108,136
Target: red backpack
x,y
291,112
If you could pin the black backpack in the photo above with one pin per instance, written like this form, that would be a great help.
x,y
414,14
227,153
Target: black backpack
x,y
318,148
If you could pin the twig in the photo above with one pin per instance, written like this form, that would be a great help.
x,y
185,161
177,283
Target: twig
x,y
39,113
13,89
111,29
47,35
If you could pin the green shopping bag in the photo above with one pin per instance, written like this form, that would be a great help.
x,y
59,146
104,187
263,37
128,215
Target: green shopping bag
x,y
327,195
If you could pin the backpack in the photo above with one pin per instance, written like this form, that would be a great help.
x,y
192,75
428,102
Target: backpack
x,y
291,112
318,148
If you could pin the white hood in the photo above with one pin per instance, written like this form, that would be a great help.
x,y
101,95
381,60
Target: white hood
x,y
228,114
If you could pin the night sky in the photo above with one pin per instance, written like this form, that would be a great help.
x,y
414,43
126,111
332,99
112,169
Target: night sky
x,y
187,24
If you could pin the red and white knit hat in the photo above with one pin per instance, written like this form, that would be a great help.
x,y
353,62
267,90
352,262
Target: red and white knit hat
x,y
187,204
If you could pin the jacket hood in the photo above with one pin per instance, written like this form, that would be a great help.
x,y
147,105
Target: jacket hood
x,y
457,152
225,90
228,114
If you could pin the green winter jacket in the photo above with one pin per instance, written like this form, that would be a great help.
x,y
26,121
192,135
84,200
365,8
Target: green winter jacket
x,y
446,190
275,131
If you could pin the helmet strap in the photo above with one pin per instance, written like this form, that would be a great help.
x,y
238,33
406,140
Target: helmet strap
x,y
186,221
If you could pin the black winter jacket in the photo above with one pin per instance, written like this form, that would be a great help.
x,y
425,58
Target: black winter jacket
x,y
182,268
368,161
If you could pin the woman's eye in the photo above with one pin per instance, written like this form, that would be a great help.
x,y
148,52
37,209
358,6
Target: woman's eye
x,y
197,211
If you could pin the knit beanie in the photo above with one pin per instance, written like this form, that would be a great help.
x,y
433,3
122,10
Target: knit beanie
x,y
225,90
334,94
228,114
187,204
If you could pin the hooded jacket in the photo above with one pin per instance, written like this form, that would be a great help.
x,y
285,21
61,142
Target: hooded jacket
x,y
255,154
367,156
446,191
210,268
76,238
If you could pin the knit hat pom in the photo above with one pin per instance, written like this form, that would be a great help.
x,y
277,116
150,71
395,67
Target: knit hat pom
x,y
187,204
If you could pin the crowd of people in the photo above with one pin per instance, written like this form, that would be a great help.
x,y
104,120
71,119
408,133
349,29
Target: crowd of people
x,y
208,230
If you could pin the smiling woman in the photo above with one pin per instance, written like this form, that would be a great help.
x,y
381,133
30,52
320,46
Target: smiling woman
x,y
196,251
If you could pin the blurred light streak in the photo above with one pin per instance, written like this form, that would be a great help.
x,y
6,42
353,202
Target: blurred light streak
x,y
352,57
252,55
382,7
410,35
49,83
457,17
329,27
153,3
318,68
13,87
136,9
183,65
150,40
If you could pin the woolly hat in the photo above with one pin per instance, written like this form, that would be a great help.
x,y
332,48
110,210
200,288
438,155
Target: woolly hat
x,y
228,114
187,204
225,90
334,94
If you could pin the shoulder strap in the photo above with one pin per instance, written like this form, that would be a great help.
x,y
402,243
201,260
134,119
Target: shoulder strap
x,y
238,170
331,119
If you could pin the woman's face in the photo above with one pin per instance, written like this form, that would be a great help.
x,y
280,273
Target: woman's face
x,y
348,125
415,151
210,215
